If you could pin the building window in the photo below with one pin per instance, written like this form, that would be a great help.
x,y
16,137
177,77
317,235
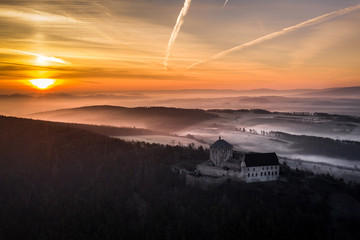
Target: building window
x,y
268,173
264,173
261,174
248,174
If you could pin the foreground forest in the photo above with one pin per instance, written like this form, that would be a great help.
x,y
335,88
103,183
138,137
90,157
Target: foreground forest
x,y
61,182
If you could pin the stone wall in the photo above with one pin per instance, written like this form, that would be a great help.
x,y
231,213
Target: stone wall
x,y
218,172
236,175
219,155
231,165
204,182
211,170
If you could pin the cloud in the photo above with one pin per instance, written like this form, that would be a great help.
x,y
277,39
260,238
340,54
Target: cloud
x,y
35,16
282,32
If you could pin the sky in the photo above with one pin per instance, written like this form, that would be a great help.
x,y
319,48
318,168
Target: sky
x,y
109,45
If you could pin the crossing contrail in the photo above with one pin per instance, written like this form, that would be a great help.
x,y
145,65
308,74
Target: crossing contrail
x,y
176,30
279,33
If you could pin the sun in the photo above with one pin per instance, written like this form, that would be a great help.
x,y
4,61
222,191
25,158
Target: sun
x,y
42,83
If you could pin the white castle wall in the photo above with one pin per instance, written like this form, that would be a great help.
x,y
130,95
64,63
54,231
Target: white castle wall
x,y
262,174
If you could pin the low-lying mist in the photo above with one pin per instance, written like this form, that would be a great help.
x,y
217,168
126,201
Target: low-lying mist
x,y
335,101
294,128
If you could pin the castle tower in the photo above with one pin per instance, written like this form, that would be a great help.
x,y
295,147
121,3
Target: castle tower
x,y
220,151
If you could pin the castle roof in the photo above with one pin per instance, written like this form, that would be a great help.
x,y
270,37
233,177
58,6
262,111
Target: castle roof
x,y
261,159
221,144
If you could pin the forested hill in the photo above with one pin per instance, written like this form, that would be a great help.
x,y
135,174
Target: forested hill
x,y
52,147
60,182
50,144
155,118
112,131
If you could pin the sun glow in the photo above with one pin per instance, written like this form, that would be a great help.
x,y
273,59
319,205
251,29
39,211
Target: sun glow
x,y
42,60
42,83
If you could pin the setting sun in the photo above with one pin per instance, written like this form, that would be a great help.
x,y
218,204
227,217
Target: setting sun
x,y
42,83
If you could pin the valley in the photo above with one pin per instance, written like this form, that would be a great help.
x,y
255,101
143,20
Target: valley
x,y
319,138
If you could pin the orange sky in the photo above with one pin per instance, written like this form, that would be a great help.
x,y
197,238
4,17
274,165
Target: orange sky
x,y
121,45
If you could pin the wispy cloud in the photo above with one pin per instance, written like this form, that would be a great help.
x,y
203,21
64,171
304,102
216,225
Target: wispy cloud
x,y
225,3
282,32
42,58
35,15
176,30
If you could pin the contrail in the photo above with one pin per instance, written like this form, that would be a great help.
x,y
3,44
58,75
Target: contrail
x,y
176,30
42,57
225,3
279,33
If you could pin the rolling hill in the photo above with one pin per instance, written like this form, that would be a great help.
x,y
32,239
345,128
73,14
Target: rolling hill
x,y
347,92
155,118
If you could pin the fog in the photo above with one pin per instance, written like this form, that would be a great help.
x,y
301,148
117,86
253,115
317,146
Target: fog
x,y
344,101
337,171
288,112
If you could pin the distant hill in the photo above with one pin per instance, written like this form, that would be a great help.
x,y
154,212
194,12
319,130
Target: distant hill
x,y
112,131
335,92
55,96
155,118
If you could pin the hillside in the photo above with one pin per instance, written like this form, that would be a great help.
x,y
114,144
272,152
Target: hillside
x,y
60,182
155,118
112,131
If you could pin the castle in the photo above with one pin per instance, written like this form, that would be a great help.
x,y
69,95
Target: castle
x,y
249,167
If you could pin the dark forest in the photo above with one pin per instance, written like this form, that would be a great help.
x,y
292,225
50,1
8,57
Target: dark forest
x,y
61,182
